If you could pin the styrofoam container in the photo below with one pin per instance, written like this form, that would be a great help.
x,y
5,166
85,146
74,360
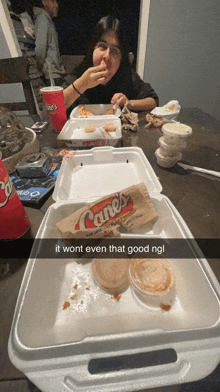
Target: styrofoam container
x,y
166,112
75,348
98,110
100,171
73,133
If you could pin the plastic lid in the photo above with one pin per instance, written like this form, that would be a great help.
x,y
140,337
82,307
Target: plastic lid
x,y
177,129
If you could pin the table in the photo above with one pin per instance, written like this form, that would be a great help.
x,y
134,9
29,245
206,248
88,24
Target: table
x,y
195,196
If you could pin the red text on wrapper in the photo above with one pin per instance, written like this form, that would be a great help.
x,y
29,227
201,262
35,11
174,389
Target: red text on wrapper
x,y
105,212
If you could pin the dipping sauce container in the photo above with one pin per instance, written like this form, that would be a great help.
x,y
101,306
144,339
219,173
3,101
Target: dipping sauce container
x,y
152,282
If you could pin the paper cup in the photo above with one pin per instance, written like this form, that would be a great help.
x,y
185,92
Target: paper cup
x,y
14,221
54,100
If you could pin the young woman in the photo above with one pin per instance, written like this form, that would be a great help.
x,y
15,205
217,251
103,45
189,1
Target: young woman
x,y
105,75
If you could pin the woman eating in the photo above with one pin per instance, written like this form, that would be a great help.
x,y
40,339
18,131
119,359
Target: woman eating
x,y
106,76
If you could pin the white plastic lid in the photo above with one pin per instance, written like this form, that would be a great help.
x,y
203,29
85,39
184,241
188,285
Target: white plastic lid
x,y
177,129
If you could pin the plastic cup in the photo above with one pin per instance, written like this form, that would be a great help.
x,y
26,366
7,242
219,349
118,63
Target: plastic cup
x,y
171,149
153,282
54,100
167,161
111,275
14,221
174,132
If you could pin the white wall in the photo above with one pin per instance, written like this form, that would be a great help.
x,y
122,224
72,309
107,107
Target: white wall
x,y
183,53
4,51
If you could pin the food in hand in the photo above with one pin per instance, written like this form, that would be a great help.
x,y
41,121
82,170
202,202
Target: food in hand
x,y
90,129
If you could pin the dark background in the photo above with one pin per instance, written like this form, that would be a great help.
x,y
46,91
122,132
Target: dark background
x,y
76,20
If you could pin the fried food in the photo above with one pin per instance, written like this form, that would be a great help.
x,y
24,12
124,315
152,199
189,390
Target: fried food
x,y
110,111
82,112
90,129
110,127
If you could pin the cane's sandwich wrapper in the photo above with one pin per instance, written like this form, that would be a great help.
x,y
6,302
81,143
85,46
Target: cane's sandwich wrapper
x,y
130,208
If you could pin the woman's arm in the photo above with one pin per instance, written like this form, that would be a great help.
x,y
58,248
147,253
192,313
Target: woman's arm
x,y
142,97
92,77
142,104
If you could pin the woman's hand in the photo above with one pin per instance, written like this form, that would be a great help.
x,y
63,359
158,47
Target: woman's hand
x,y
92,77
119,99
136,105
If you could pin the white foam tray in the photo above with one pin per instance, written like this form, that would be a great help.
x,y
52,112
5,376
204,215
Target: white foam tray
x,y
54,347
98,110
94,173
73,133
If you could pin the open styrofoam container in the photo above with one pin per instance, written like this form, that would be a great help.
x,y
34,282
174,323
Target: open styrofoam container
x,y
100,171
73,133
99,110
58,349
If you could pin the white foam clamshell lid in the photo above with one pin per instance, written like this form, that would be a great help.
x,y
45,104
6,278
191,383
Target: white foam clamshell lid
x,y
100,171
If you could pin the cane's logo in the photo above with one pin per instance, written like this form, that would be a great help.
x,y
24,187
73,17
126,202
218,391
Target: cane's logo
x,y
105,211
52,107
5,191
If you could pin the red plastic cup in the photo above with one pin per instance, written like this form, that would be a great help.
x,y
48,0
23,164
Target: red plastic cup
x,y
14,221
54,100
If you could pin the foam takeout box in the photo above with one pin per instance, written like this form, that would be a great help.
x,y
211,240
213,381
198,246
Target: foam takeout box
x,y
99,110
73,133
98,343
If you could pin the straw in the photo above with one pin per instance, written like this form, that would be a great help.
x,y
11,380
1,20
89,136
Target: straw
x,y
50,74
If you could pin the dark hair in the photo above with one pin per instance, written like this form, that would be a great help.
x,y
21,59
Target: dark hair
x,y
105,25
20,6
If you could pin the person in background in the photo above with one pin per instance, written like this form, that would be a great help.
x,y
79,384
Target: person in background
x,y
106,76
46,43
23,15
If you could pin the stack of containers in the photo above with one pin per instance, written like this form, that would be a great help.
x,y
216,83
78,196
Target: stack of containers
x,y
172,143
